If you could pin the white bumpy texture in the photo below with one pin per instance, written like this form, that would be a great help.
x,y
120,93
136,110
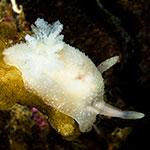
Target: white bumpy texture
x,y
61,75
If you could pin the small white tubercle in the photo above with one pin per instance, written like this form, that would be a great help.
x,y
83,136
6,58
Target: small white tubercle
x,y
64,77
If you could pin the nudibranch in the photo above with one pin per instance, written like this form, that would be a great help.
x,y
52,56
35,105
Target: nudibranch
x,y
63,76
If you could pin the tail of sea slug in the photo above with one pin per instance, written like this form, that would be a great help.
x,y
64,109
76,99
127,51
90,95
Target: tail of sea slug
x,y
108,110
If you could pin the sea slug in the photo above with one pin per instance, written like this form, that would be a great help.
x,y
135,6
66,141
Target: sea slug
x,y
63,76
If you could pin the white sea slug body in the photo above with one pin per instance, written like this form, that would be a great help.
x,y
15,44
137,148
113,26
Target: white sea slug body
x,y
64,77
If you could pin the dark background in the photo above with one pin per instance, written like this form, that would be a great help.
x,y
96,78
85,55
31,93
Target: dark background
x,y
102,29
118,28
